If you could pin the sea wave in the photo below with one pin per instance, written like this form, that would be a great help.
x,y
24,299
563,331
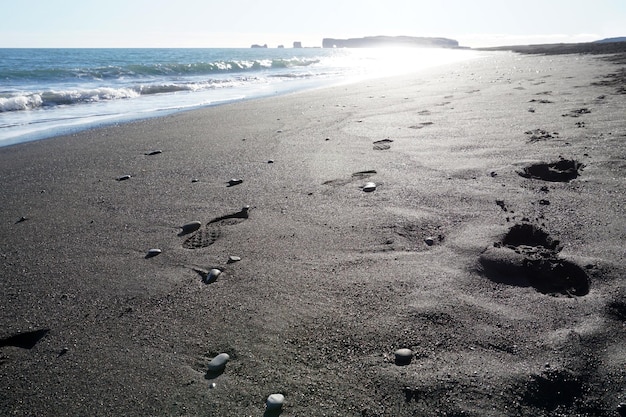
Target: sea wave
x,y
31,101
10,102
152,70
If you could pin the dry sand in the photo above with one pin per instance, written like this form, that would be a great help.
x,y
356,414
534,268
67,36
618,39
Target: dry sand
x,y
332,279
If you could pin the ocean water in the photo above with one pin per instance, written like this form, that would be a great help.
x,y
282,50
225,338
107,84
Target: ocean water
x,y
47,92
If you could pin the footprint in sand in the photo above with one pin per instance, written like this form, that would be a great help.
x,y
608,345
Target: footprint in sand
x,y
563,170
213,230
355,176
577,112
421,125
541,101
382,145
528,256
537,135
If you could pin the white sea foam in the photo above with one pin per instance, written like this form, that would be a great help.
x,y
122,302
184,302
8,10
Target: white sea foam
x,y
20,102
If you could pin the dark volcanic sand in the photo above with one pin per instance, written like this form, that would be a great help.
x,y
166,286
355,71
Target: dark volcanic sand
x,y
477,269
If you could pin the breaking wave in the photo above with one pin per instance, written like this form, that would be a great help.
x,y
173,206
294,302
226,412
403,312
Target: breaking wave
x,y
126,71
34,100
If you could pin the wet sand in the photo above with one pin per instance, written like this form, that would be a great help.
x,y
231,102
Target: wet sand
x,y
507,288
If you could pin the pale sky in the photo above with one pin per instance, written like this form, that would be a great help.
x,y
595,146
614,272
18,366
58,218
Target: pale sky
x,y
240,23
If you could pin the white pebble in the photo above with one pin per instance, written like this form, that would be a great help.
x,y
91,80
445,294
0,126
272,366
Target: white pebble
x,y
153,252
212,275
275,401
369,187
403,356
219,362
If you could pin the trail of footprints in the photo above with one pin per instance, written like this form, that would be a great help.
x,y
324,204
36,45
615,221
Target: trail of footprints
x,y
527,251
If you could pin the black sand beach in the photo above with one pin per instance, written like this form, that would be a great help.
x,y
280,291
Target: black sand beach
x,y
491,245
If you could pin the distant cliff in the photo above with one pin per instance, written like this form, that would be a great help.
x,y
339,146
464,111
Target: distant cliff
x,y
386,41
611,40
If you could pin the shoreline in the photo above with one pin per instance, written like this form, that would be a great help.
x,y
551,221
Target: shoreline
x,y
57,106
331,280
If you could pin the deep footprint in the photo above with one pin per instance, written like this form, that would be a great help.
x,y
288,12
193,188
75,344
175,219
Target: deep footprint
x,y
563,170
553,389
528,256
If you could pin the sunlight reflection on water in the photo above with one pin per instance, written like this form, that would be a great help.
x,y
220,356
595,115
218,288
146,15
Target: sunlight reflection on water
x,y
386,62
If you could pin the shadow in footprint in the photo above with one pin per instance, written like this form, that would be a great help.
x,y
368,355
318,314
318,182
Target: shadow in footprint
x,y
530,235
617,310
528,256
563,170
26,340
553,389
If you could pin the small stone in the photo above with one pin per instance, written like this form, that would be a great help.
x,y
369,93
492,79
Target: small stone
x,y
403,356
191,226
212,276
219,362
213,385
155,152
233,259
369,187
124,178
271,161
234,181
153,252
275,401
195,180
429,241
